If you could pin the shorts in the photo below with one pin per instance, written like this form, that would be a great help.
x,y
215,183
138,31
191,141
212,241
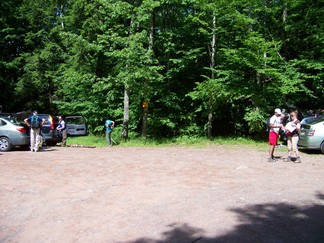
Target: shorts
x,y
273,138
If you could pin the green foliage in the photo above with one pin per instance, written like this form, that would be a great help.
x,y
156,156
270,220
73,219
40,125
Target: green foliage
x,y
256,119
79,57
213,93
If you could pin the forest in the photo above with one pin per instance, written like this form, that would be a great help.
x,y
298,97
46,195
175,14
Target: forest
x,y
163,68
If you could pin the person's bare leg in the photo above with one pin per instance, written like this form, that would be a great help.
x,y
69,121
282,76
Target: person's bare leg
x,y
271,151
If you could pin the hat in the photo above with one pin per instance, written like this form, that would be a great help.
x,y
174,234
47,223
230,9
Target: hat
x,y
278,111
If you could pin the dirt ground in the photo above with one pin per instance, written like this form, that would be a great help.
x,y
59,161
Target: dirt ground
x,y
155,195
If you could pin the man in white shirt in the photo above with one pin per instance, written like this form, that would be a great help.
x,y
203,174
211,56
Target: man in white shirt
x,y
275,126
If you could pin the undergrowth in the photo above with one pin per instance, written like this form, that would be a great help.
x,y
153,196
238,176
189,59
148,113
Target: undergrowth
x,y
100,141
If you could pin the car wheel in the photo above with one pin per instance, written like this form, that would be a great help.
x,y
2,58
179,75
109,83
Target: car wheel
x,y
322,147
5,144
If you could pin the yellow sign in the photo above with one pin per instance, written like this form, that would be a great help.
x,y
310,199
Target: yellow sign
x,y
145,104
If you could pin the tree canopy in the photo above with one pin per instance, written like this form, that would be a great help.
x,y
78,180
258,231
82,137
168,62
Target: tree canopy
x,y
163,68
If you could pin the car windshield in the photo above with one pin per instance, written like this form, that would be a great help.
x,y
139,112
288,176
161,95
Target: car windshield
x,y
48,118
75,120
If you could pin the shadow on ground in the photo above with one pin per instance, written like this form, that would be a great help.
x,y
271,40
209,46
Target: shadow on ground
x,y
259,223
306,151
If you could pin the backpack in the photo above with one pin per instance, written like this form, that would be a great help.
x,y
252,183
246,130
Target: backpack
x,y
34,123
268,124
108,124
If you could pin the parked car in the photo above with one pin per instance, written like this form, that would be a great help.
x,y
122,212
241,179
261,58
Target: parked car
x,y
12,133
76,126
312,135
49,132
310,118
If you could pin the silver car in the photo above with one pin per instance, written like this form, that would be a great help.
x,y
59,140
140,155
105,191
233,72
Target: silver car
x,y
310,118
12,134
76,126
312,135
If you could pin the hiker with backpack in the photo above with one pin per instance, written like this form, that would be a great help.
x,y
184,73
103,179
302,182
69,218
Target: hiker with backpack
x,y
34,122
109,125
275,124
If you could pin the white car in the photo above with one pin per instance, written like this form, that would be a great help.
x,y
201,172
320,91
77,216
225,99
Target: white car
x,y
310,118
312,135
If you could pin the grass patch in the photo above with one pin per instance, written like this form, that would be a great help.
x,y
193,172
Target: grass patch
x,y
100,141
90,140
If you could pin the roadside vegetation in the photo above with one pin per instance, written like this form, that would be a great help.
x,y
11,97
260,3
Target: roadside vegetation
x,y
194,141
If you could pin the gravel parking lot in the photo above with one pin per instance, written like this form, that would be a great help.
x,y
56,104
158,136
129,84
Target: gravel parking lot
x,y
172,194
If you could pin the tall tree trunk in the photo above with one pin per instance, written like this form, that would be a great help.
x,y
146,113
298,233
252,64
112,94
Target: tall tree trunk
x,y
145,103
212,66
145,115
284,21
126,112
127,92
285,14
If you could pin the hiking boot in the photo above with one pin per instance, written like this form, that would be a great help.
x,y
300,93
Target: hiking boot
x,y
271,159
288,159
298,160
